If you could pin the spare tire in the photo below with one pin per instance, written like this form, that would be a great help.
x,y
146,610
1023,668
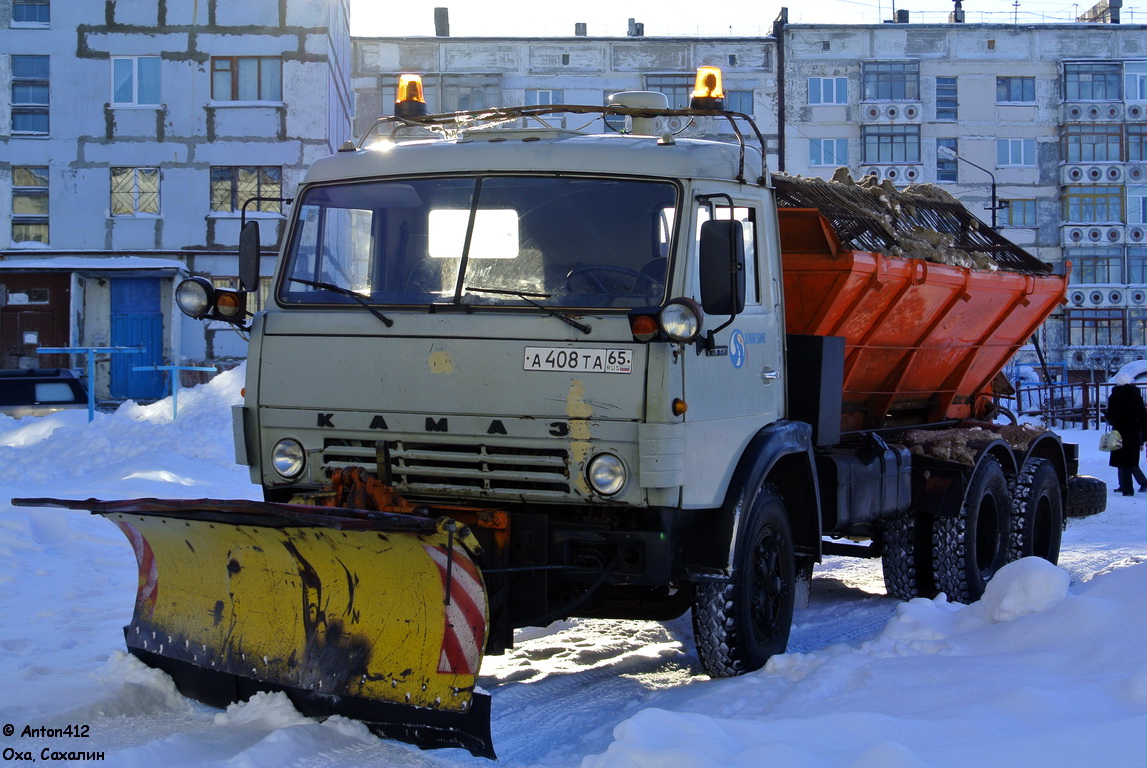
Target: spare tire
x,y
1086,496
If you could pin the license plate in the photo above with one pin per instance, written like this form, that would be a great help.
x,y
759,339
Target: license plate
x,y
578,360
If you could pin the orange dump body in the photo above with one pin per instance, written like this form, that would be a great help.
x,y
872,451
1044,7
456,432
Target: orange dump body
x,y
923,340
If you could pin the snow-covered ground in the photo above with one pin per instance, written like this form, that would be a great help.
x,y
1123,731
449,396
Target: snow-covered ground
x,y
1049,669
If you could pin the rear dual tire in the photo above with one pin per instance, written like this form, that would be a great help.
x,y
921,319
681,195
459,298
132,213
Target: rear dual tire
x,y
969,548
1037,512
998,523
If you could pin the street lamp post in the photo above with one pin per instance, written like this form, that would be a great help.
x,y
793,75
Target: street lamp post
x,y
995,204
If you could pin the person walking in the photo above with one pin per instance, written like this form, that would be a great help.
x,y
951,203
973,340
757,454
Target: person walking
x,y
1127,414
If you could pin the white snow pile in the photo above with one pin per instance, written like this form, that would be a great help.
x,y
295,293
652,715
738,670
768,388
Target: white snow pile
x,y
1048,669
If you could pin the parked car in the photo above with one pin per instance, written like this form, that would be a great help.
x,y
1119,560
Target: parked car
x,y
40,391
1136,369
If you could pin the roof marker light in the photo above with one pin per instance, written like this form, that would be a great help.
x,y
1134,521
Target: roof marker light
x,y
410,102
708,92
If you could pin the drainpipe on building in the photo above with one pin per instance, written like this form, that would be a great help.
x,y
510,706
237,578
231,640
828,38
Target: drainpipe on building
x,y
779,34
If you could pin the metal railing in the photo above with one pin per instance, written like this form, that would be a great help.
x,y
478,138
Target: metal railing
x,y
1076,405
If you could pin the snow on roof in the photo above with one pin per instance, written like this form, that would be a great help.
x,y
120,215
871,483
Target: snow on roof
x,y
91,264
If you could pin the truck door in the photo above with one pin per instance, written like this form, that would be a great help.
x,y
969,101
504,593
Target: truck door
x,y
733,385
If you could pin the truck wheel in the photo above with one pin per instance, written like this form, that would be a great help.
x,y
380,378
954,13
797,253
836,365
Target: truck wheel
x,y
906,557
969,548
739,624
1086,496
1037,512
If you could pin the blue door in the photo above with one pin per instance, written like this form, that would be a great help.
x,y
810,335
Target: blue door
x,y
137,321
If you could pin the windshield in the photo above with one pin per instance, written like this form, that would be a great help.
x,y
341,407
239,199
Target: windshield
x,y
562,242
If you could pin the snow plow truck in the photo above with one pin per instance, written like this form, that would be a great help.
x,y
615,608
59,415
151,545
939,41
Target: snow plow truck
x,y
511,373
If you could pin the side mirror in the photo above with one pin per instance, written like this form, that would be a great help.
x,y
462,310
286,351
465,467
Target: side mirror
x,y
249,257
722,267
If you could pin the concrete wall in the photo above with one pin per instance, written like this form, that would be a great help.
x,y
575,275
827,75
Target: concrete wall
x,y
185,135
586,70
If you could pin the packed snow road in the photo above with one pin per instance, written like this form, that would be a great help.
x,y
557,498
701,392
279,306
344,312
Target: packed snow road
x,y
1039,671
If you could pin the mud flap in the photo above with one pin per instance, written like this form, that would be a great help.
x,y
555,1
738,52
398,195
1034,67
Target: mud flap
x,y
376,616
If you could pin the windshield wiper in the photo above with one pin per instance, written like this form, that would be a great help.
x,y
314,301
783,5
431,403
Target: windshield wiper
x,y
345,292
526,297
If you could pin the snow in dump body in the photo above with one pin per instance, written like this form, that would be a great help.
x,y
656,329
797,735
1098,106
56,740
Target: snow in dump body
x,y
1049,669
921,221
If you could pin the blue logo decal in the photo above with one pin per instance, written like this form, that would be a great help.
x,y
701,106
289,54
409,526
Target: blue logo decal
x,y
737,350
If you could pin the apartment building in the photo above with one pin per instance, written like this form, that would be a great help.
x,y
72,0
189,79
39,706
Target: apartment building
x,y
1041,129
131,134
475,73
1037,128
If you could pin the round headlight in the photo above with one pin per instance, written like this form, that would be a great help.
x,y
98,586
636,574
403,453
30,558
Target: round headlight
x,y
288,458
606,474
194,296
681,320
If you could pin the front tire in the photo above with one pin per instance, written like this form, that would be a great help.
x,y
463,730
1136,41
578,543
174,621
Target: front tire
x,y
740,623
969,548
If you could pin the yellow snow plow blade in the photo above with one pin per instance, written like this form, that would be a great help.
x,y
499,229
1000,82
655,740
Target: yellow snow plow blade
x,y
381,617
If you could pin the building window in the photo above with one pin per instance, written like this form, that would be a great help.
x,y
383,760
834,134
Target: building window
x,y
1015,152
1136,143
30,78
1137,203
30,204
31,12
1015,90
247,78
1135,80
1092,81
1093,204
1095,327
135,80
545,97
536,97
891,81
946,167
467,98
135,191
740,102
260,296
463,93
828,90
891,143
1091,266
1137,265
390,94
1092,143
1018,213
830,152
946,105
614,122
1137,327
233,186
679,88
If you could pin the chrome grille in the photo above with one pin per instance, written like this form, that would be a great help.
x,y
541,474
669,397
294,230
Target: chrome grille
x,y
418,466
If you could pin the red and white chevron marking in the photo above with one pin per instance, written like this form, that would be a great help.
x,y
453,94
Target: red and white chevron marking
x,y
465,615
148,572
